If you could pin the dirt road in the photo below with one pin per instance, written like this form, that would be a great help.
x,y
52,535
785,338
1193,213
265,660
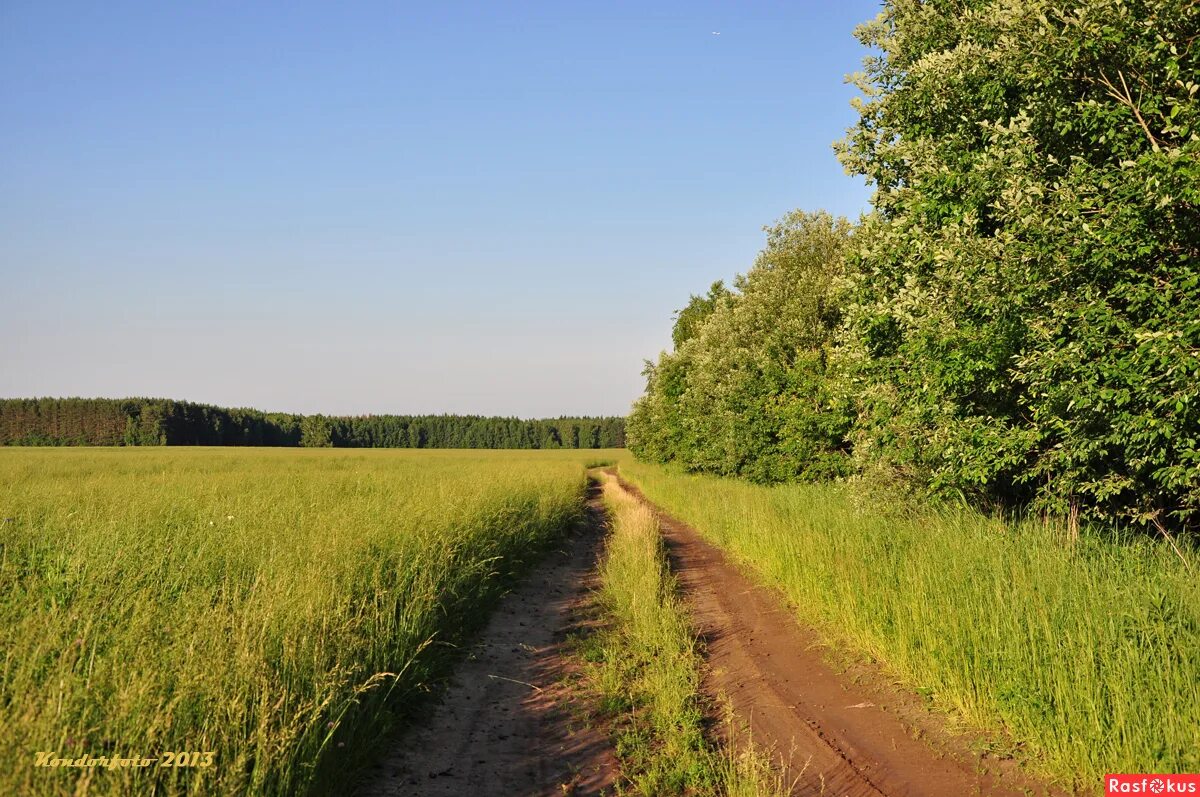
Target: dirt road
x,y
845,734
506,724
509,725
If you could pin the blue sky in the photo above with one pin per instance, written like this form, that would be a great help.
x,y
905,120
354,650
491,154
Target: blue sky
x,y
396,207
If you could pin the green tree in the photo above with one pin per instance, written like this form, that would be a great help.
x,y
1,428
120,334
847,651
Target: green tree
x,y
691,318
747,391
316,431
1024,307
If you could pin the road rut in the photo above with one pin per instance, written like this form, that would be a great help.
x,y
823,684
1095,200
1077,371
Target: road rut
x,y
830,734
507,723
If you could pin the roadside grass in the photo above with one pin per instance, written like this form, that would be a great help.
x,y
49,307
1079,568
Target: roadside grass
x,y
279,608
645,664
1080,658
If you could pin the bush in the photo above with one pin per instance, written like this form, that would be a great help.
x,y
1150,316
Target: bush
x,y
1024,308
746,393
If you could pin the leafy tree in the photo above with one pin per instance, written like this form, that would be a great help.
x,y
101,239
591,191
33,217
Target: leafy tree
x,y
1024,308
316,431
747,391
691,318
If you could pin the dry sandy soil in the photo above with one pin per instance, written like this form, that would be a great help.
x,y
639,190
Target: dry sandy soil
x,y
510,724
834,731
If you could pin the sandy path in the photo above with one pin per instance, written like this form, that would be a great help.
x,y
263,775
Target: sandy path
x,y
834,733
505,724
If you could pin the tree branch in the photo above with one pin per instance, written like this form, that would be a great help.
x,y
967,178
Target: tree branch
x,y
1125,97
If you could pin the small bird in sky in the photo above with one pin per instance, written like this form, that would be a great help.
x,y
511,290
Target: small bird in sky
x,y
716,33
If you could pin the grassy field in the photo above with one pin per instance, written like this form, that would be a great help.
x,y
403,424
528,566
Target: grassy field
x,y
645,663
280,608
1083,657
273,607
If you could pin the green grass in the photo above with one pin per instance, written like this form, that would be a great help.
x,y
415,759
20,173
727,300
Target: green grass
x,y
645,665
273,606
1083,656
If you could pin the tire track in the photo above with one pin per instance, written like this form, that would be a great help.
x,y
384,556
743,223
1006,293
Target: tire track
x,y
831,734
505,725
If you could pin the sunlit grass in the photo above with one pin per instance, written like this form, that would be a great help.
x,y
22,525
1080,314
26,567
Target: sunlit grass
x,y
272,606
646,665
1087,654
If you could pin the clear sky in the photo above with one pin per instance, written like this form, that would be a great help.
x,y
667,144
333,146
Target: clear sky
x,y
395,207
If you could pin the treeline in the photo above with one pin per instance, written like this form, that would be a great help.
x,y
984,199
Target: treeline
x,y
141,422
1018,318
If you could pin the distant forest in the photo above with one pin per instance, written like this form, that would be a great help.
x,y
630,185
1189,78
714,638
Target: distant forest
x,y
165,422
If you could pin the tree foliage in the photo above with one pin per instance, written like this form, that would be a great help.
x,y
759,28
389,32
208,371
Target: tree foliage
x,y
1018,319
691,318
745,391
130,422
1024,315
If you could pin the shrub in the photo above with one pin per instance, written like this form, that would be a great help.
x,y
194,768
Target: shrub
x,y
1024,308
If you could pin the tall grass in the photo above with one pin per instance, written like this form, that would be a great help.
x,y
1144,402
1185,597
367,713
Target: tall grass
x,y
646,665
271,606
1086,653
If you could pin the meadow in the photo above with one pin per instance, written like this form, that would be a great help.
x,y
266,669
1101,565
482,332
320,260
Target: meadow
x,y
285,610
1078,656
279,609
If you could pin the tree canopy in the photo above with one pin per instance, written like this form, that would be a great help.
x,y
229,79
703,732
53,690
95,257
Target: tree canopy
x,y
115,422
1025,301
1018,318
745,392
